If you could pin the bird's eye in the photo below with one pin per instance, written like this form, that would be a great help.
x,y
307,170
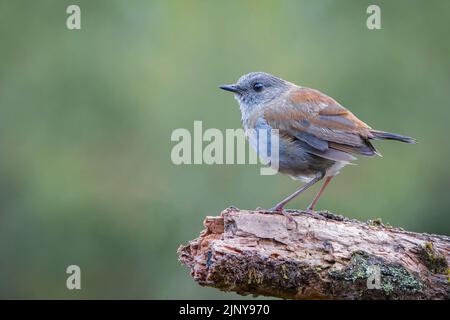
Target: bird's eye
x,y
258,87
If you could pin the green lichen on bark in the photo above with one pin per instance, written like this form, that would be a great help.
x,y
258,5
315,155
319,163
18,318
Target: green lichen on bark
x,y
395,280
434,261
248,273
376,222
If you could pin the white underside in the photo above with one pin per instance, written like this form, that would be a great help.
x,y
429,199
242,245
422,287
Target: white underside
x,y
332,171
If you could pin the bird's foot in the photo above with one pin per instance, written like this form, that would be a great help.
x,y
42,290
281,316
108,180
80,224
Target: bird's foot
x,y
286,214
277,209
309,211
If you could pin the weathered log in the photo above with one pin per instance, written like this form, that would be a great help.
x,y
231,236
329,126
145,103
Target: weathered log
x,y
324,256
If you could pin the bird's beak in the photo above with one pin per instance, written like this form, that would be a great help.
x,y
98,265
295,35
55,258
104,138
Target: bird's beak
x,y
231,87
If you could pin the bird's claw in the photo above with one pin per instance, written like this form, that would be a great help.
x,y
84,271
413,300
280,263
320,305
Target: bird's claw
x,y
286,214
309,211
290,218
277,209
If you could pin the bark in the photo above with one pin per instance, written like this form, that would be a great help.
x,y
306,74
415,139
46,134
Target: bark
x,y
321,256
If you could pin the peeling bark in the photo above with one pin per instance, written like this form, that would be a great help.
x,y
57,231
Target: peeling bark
x,y
325,257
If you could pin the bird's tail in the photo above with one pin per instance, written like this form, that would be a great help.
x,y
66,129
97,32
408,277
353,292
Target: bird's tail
x,y
381,135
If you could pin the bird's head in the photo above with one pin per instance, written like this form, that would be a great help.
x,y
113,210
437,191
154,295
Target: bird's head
x,y
256,88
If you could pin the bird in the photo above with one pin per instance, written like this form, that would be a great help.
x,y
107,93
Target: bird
x,y
317,135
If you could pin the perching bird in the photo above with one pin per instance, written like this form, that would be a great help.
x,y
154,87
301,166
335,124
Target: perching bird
x,y
317,136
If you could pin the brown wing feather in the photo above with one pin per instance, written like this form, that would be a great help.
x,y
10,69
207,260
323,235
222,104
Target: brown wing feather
x,y
308,112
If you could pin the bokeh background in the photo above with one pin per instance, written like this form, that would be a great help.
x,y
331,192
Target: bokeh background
x,y
86,118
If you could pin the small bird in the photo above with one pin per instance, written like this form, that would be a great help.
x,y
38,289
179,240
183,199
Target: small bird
x,y
317,135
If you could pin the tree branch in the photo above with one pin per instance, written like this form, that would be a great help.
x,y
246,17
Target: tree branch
x,y
326,257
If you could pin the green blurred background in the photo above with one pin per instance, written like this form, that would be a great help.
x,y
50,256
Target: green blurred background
x,y
86,118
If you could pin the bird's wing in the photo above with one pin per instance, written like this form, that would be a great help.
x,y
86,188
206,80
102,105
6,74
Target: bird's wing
x,y
321,122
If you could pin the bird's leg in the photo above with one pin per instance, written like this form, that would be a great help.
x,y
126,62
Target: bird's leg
x,y
316,198
279,207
